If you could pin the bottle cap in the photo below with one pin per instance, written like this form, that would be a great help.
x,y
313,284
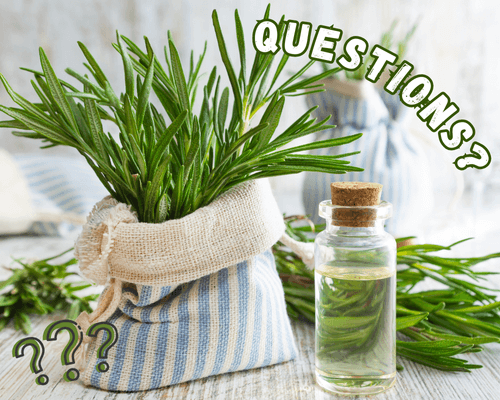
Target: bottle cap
x,y
359,199
356,194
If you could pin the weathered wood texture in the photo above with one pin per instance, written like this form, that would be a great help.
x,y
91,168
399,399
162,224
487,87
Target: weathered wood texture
x,y
292,380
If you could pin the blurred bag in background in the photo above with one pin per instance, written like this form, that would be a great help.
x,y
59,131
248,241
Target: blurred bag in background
x,y
390,155
46,195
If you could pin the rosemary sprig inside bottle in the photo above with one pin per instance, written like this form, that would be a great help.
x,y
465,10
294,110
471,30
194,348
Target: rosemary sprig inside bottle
x,y
40,287
440,324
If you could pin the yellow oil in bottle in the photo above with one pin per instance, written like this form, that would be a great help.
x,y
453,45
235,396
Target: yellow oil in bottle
x,y
355,327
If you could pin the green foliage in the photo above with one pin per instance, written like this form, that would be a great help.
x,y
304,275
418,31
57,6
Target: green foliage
x,y
41,288
166,171
387,42
442,323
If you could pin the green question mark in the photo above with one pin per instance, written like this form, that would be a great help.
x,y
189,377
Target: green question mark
x,y
75,339
110,341
36,358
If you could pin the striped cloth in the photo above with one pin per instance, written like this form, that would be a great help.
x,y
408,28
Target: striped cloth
x,y
60,187
389,155
232,320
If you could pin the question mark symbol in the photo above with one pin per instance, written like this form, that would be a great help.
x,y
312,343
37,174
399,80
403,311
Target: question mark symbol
x,y
480,158
75,339
110,341
36,358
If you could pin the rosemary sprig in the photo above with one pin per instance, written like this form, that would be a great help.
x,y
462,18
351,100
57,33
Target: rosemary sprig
x,y
442,323
166,171
41,288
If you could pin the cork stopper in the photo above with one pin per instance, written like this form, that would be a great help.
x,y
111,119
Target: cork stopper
x,y
355,194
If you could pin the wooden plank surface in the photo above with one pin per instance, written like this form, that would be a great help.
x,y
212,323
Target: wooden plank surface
x,y
292,380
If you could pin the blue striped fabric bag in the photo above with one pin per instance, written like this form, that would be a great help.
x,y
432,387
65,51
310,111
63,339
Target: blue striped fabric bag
x,y
63,189
190,298
390,155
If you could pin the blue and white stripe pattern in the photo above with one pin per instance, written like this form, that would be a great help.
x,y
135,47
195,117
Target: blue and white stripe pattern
x,y
60,184
389,155
232,320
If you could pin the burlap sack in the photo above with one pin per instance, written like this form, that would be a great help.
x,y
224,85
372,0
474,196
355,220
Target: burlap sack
x,y
191,297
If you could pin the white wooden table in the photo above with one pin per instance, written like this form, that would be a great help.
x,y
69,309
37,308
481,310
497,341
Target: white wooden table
x,y
292,380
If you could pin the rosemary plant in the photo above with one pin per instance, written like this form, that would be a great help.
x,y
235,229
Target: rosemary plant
x,y
166,171
438,323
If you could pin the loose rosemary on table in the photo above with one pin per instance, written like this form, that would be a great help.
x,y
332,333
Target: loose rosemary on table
x,y
437,324
40,287
168,170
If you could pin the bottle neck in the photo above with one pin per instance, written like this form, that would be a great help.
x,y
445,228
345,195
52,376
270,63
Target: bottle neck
x,y
339,230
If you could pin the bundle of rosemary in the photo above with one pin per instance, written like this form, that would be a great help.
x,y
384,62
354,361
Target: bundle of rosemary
x,y
166,171
438,324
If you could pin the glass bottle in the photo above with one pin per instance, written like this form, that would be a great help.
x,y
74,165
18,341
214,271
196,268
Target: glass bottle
x,y
355,282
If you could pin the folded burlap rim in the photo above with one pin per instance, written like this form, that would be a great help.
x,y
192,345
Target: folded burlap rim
x,y
241,223
114,247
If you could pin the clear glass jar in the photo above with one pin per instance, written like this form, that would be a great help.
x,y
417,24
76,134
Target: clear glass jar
x,y
355,281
